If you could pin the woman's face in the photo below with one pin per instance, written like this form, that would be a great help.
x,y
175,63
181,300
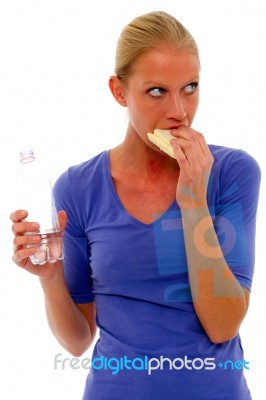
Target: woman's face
x,y
162,91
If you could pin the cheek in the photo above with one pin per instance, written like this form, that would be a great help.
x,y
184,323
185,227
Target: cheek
x,y
137,116
196,100
143,120
144,113
192,105
140,110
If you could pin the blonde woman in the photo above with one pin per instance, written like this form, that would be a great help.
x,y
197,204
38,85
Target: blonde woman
x,y
159,249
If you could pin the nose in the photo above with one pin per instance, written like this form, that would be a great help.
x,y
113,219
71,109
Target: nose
x,y
175,108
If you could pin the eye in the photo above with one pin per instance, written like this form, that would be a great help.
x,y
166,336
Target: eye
x,y
156,91
191,88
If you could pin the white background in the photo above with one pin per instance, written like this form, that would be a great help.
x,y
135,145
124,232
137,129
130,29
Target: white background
x,y
55,60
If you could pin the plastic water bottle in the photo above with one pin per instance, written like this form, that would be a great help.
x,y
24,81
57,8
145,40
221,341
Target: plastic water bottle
x,y
36,197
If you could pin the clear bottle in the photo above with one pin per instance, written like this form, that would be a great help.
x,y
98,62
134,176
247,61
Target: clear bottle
x,y
36,197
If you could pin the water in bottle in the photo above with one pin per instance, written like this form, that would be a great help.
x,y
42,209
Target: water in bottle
x,y
36,197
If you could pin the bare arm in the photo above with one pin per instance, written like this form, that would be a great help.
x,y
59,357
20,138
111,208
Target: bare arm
x,y
219,300
73,325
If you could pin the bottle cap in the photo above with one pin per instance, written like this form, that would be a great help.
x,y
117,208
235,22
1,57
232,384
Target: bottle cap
x,y
26,156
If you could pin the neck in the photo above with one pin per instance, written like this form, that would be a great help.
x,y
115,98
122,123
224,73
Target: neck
x,y
133,155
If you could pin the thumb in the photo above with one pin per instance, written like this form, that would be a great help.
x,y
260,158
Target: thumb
x,y
62,218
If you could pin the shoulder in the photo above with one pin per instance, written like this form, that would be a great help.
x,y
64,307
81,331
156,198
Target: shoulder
x,y
234,161
86,171
80,187
90,166
235,177
79,184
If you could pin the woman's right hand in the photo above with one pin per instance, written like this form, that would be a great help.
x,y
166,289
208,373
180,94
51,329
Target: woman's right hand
x,y
22,253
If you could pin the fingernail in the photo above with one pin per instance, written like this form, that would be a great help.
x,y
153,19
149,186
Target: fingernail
x,y
34,225
23,214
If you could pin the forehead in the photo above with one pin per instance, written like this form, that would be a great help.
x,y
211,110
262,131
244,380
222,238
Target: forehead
x,y
166,65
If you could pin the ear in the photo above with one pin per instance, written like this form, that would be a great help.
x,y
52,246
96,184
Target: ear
x,y
117,90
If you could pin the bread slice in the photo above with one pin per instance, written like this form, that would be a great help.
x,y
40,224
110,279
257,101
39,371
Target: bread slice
x,y
161,138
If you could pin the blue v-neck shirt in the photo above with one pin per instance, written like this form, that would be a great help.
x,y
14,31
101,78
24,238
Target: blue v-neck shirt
x,y
151,344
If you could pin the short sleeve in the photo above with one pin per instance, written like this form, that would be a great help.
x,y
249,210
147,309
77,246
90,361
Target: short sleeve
x,y
235,214
76,248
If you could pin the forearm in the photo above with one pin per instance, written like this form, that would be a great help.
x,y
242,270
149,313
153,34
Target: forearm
x,y
65,320
218,298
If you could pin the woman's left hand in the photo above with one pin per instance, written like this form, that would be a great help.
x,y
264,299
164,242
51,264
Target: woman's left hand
x,y
195,162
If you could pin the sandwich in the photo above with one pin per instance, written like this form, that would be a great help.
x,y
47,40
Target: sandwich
x,y
162,139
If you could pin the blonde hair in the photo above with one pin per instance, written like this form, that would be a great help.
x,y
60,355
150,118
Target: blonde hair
x,y
149,31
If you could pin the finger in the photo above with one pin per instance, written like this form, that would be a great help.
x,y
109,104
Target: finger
x,y
22,260
190,139
24,240
18,215
22,227
190,150
21,257
205,158
180,156
62,218
203,144
184,132
192,136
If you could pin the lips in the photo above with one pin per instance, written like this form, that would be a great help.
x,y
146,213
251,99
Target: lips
x,y
176,127
170,128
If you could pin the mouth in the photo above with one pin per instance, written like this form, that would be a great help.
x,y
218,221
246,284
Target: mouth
x,y
178,126
171,128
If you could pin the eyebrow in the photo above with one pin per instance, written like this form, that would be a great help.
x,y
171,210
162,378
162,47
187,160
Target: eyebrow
x,y
159,84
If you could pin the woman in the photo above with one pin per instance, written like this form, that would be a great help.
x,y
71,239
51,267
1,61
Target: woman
x,y
161,248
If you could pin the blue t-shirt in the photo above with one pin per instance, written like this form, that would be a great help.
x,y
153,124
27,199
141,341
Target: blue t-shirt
x,y
151,344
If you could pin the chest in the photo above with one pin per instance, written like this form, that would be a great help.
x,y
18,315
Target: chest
x,y
144,260
145,201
